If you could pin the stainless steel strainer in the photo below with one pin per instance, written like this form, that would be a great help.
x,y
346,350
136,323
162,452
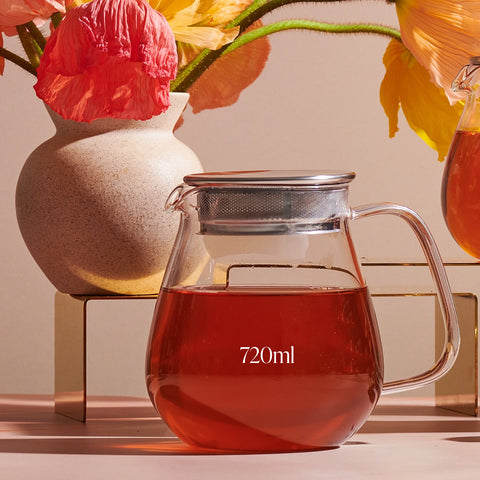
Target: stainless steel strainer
x,y
270,202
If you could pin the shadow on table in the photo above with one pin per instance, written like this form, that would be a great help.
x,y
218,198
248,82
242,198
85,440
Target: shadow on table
x,y
115,426
473,439
413,411
418,419
130,426
100,446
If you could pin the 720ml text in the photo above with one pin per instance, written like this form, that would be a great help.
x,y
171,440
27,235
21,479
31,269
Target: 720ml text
x,y
267,355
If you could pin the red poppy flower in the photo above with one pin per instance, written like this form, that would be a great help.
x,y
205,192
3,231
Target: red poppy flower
x,y
109,58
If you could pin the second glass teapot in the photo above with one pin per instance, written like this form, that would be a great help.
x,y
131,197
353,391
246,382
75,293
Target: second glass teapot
x,y
461,177
264,335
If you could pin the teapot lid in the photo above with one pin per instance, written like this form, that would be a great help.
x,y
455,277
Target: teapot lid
x,y
270,201
270,178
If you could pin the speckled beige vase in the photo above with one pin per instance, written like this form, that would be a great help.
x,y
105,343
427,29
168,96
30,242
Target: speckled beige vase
x,y
90,202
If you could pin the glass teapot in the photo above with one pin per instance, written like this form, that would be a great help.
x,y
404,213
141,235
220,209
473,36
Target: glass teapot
x,y
461,177
264,336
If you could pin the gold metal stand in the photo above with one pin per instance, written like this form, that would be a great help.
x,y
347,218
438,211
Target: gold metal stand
x,y
71,352
457,391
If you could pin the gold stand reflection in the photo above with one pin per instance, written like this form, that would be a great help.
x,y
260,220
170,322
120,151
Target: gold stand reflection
x,y
71,352
457,391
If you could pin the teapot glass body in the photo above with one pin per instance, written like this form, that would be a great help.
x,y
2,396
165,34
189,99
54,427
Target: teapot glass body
x,y
264,335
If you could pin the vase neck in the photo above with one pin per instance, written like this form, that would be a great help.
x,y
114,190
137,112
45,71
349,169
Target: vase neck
x,y
165,121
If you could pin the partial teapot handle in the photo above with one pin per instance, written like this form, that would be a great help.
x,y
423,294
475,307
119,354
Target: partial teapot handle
x,y
444,294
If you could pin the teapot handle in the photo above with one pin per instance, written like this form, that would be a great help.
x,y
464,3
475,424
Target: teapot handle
x,y
444,295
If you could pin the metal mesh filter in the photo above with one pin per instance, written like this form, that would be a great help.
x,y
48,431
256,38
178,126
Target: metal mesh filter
x,y
269,210
270,201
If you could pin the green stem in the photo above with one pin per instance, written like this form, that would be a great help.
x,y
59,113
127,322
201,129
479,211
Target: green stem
x,y
29,45
37,35
187,77
259,8
310,25
194,69
56,19
21,62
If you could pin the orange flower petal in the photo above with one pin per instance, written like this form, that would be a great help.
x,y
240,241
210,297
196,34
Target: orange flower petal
x,y
442,35
223,82
108,58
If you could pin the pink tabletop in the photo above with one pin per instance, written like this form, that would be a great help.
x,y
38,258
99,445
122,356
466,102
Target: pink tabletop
x,y
125,439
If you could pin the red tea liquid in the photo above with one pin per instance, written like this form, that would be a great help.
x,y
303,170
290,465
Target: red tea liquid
x,y
262,370
461,191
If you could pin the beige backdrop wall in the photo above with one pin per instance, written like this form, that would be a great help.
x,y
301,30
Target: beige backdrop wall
x,y
315,106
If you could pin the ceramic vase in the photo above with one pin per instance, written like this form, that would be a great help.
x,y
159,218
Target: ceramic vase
x,y
90,202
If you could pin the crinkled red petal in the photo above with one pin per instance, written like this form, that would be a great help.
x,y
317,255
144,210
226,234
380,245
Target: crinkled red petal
x,y
109,58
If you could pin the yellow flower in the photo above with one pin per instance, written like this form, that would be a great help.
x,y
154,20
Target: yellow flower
x,y
442,35
425,105
199,24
